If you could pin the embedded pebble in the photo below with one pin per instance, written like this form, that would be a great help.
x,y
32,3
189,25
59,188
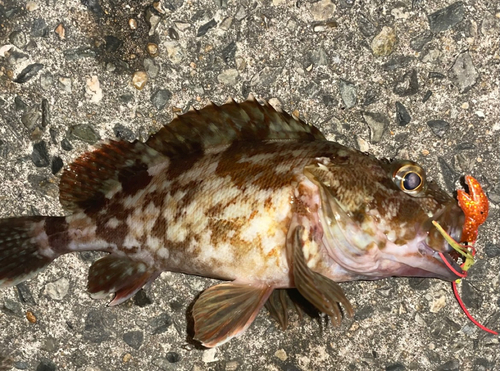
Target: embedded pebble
x,y
322,10
60,31
384,43
57,290
377,122
141,299
112,43
427,95
139,79
160,98
46,365
153,18
16,58
94,7
40,154
446,18
471,297
28,73
173,357
174,52
46,80
39,28
419,41
402,115
490,26
207,26
31,118
134,339
407,85
228,77
84,132
160,323
229,52
438,304
121,132
56,165
448,173
25,293
463,73
348,93
66,84
66,144
79,53
366,27
93,88
18,38
97,325
152,49
132,23
226,23
182,26
438,127
399,61
12,307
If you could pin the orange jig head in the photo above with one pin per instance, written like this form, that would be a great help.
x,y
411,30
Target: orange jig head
x,y
475,207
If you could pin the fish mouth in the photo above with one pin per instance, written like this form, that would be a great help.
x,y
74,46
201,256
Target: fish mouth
x,y
448,263
451,219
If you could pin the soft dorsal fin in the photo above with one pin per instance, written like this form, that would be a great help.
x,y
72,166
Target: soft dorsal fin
x,y
97,175
93,175
215,125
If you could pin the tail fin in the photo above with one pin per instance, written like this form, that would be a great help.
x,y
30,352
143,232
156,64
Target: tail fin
x,y
28,245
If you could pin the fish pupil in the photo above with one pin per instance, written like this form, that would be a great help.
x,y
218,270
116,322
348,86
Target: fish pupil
x,y
411,181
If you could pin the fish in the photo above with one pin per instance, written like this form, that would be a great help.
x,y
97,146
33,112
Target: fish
x,y
246,194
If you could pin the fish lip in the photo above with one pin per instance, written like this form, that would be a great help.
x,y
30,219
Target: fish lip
x,y
440,256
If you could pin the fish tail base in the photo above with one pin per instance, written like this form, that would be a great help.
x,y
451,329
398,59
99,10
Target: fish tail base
x,y
25,247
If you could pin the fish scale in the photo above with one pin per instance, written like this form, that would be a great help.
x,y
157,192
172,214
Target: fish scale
x,y
247,194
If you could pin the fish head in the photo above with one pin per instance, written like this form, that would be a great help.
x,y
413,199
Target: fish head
x,y
377,219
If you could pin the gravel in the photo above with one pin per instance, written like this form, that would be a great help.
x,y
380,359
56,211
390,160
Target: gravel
x,y
399,79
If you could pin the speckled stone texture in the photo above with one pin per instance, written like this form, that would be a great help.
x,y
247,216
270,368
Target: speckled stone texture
x,y
410,79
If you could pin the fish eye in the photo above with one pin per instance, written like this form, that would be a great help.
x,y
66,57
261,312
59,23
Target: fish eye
x,y
410,178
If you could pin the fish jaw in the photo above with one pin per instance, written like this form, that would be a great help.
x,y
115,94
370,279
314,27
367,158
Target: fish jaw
x,y
354,251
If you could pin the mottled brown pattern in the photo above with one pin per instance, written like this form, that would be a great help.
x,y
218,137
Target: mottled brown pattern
x,y
134,178
180,165
159,228
236,162
57,231
156,197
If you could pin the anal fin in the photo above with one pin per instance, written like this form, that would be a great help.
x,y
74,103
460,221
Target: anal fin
x,y
119,275
226,310
277,305
322,292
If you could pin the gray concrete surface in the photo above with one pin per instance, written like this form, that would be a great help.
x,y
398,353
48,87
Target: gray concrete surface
x,y
341,65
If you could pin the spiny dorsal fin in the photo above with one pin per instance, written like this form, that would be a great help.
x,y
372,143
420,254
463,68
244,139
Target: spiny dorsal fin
x,y
90,178
215,125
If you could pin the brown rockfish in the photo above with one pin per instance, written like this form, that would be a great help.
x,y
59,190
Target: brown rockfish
x,y
247,194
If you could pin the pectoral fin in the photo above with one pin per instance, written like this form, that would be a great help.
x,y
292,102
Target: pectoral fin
x,y
226,310
119,275
322,292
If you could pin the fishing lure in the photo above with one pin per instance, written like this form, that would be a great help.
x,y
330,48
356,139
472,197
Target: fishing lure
x,y
475,206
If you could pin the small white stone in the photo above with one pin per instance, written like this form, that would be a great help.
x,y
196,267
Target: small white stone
x,y
363,144
438,304
57,290
281,354
228,77
209,355
480,114
94,89
323,10
174,52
